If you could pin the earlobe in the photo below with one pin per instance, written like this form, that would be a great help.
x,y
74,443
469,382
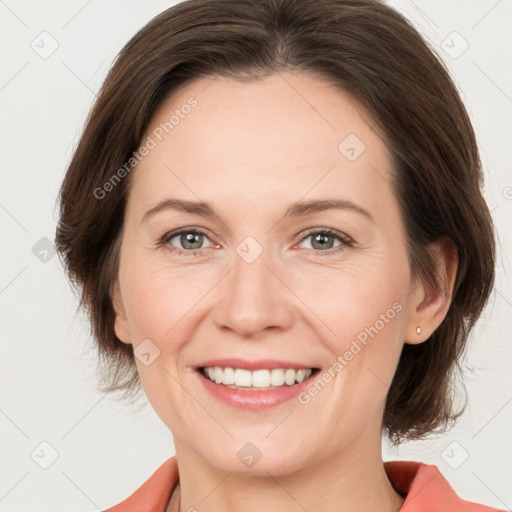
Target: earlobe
x,y
431,301
121,327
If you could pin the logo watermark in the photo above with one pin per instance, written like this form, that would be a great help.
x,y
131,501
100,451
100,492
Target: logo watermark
x,y
343,360
157,135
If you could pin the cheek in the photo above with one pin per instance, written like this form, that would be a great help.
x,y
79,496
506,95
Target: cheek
x,y
349,298
365,317
362,315
159,298
162,305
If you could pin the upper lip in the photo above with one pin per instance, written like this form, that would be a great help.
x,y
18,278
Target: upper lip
x,y
257,364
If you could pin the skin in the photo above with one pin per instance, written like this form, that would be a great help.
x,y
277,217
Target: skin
x,y
250,150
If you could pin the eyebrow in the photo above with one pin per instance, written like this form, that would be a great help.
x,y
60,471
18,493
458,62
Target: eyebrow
x,y
298,209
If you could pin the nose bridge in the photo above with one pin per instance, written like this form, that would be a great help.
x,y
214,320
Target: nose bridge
x,y
254,298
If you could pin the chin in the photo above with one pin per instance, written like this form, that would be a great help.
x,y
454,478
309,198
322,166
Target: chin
x,y
254,458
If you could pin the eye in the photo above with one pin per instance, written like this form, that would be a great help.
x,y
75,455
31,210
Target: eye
x,y
191,241
322,241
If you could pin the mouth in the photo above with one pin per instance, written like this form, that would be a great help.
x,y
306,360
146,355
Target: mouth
x,y
263,379
254,385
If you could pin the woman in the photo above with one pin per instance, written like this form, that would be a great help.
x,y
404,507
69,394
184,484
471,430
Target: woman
x,y
275,217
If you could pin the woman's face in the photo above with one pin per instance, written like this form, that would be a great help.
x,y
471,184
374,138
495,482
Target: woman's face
x,y
255,280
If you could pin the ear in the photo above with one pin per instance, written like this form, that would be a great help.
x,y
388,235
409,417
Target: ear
x,y
121,326
430,303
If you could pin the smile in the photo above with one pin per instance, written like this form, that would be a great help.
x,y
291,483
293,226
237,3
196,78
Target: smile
x,y
263,379
257,388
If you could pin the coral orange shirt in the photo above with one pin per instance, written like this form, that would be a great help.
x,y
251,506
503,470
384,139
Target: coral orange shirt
x,y
426,488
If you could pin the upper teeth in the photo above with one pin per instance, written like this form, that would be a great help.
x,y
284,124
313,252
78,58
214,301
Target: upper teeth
x,y
257,378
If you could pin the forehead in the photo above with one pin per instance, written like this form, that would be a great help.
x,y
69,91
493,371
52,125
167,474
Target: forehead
x,y
278,138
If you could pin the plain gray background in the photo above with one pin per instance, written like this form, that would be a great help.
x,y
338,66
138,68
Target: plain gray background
x,y
55,57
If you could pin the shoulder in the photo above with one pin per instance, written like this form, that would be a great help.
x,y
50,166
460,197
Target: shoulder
x,y
154,494
427,489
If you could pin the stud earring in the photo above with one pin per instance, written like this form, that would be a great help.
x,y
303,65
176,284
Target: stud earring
x,y
418,330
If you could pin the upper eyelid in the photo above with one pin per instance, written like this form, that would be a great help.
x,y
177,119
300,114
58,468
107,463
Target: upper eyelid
x,y
174,233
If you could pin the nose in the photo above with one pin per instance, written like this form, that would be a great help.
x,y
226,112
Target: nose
x,y
254,298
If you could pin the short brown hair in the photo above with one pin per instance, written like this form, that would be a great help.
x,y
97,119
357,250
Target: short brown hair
x,y
369,51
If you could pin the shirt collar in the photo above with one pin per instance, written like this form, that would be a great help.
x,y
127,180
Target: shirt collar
x,y
425,488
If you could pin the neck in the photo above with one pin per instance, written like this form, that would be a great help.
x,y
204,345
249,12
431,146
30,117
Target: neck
x,y
352,480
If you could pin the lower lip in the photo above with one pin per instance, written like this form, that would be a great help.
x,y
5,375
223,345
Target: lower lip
x,y
254,400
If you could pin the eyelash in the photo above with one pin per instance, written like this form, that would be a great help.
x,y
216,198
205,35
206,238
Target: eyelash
x,y
344,239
